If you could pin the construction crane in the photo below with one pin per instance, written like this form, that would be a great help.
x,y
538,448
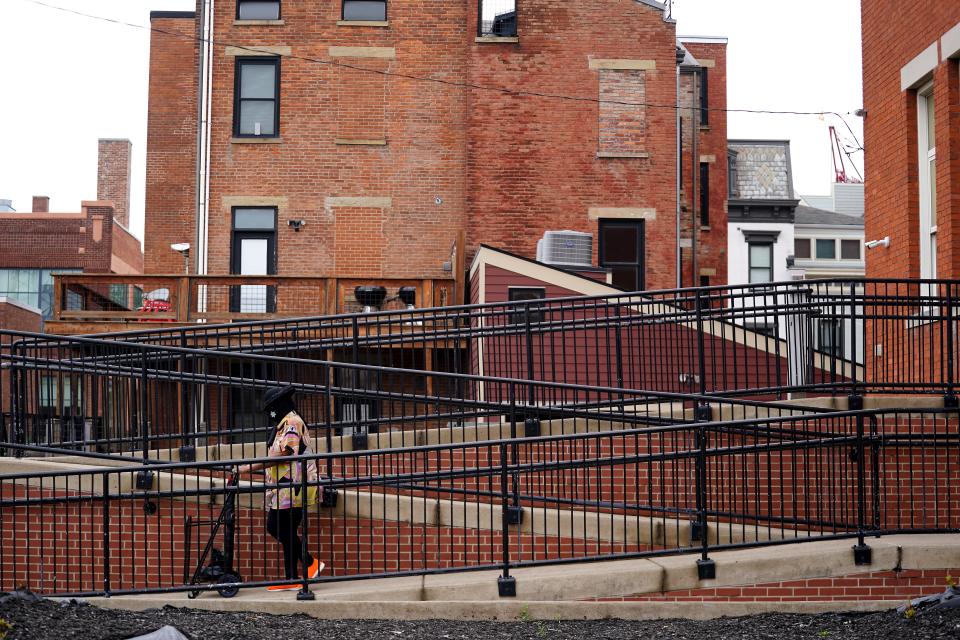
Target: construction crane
x,y
840,152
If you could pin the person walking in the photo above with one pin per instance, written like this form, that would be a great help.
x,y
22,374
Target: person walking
x,y
284,500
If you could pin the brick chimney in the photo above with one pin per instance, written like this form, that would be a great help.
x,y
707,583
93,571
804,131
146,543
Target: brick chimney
x,y
41,204
113,177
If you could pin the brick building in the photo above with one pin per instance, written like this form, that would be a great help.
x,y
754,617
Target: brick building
x,y
353,139
37,244
911,94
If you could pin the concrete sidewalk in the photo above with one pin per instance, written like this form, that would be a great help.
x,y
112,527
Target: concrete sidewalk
x,y
560,591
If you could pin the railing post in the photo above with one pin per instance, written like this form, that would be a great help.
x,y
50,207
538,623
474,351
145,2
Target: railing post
x,y
188,445
106,533
531,426
706,568
144,423
506,584
304,593
17,404
701,345
862,554
329,499
950,398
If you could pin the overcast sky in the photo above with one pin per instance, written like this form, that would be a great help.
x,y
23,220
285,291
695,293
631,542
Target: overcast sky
x,y
66,81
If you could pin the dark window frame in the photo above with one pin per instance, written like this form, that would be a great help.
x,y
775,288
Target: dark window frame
x,y
523,314
641,250
848,242
704,194
704,98
236,236
834,326
516,22
237,100
816,248
344,18
797,255
750,267
279,9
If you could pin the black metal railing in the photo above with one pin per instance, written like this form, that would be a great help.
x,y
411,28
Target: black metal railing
x,y
497,504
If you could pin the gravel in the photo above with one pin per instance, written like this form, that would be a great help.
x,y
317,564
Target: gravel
x,y
47,619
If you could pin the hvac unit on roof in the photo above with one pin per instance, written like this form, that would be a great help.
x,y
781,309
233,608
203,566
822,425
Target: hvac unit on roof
x,y
568,248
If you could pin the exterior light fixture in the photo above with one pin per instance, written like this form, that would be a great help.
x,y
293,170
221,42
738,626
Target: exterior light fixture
x,y
183,248
297,224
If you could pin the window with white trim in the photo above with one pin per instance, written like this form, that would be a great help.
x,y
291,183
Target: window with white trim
x,y
926,129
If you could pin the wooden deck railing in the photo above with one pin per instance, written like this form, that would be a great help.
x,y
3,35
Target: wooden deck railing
x,y
80,299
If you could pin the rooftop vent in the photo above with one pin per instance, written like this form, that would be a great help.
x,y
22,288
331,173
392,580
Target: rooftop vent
x,y
566,248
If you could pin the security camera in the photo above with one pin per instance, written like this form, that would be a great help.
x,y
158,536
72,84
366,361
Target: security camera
x,y
181,247
297,224
873,244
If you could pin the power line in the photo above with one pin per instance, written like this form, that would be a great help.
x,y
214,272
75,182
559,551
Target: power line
x,y
463,85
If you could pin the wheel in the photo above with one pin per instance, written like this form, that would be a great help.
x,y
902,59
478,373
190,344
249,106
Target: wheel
x,y
228,592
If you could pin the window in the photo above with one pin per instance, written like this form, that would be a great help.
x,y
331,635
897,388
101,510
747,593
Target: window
x,y
761,262
522,313
732,174
622,251
926,128
830,337
826,249
849,249
253,253
704,281
366,10
497,18
704,194
258,9
704,100
257,101
801,248
31,286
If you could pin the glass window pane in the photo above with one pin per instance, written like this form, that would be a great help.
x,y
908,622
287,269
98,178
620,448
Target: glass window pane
x,y
850,249
365,10
931,122
258,80
254,219
801,248
759,275
260,10
933,191
625,278
826,249
620,244
761,256
256,118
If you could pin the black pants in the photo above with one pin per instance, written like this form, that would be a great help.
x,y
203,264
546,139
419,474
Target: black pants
x,y
282,524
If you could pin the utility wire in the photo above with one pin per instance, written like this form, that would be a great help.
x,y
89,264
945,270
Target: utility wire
x,y
452,83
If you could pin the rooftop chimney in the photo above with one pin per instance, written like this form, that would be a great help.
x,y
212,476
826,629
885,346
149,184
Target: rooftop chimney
x,y
113,177
41,204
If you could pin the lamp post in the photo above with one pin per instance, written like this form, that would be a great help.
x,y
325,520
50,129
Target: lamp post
x,y
183,248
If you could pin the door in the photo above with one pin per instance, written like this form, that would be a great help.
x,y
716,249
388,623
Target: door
x,y
622,251
254,253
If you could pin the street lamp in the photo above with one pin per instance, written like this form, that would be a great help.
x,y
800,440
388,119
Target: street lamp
x,y
183,248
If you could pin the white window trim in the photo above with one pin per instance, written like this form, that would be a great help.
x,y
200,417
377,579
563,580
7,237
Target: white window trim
x,y
928,231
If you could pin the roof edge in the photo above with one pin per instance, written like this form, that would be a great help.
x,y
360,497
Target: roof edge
x,y
159,15
704,39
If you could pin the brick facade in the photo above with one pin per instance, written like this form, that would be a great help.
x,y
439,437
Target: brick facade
x,y
171,143
113,177
502,167
894,34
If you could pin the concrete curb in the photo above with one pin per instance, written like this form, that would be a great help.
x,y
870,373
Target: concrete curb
x,y
512,611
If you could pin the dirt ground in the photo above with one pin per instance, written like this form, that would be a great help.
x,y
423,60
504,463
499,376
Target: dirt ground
x,y
36,619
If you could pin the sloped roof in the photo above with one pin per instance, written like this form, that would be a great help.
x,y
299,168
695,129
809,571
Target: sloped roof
x,y
814,216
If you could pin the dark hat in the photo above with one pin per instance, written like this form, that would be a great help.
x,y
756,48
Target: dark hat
x,y
275,395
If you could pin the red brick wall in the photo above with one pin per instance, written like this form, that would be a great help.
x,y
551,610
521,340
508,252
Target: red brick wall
x,y
13,317
113,177
505,167
58,240
893,34
170,208
878,585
